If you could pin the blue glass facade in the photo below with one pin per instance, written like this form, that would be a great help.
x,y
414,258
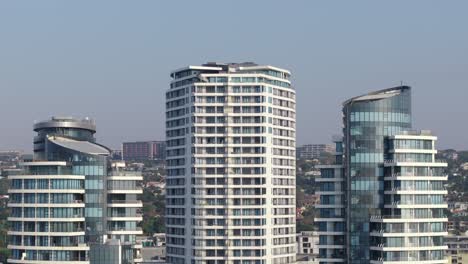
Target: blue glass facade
x,y
94,167
367,120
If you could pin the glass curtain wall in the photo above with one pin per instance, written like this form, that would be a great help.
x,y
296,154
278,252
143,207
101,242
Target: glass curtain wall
x,y
367,120
95,168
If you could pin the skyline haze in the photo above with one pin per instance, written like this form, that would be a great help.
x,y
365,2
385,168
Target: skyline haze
x,y
112,62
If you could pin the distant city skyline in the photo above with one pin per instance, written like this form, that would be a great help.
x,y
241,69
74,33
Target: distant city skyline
x,y
112,62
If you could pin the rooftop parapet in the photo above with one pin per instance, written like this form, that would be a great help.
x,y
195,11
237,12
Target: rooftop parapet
x,y
66,122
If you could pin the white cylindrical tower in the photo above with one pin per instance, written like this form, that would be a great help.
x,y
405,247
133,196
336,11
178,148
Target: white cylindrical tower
x,y
231,165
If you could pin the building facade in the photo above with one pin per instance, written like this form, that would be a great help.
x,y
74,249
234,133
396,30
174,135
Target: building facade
x,y
382,202
143,150
457,249
307,242
331,220
71,197
230,193
313,151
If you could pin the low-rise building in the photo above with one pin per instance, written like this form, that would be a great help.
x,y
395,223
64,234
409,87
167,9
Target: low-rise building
x,y
307,242
153,249
116,154
313,151
144,150
457,225
464,166
10,156
159,239
457,249
307,247
461,258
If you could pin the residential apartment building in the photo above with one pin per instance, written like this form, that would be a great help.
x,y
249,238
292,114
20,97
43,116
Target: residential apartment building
x,y
144,150
382,202
457,226
313,151
9,156
230,193
307,242
72,198
457,249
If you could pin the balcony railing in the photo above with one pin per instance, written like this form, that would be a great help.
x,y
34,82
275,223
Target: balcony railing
x,y
391,161
117,228
406,230
125,202
414,175
376,217
125,215
128,188
415,188
125,173
415,133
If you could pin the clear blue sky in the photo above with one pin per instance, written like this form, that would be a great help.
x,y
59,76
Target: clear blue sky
x,y
110,60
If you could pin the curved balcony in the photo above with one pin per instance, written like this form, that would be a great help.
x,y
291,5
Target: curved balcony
x,y
415,163
415,206
48,219
409,261
402,219
76,247
408,247
80,191
19,261
47,176
75,204
50,233
415,191
406,233
398,177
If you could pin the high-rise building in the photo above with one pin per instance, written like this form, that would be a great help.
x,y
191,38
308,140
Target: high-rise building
x,y
144,150
313,151
71,197
230,165
382,202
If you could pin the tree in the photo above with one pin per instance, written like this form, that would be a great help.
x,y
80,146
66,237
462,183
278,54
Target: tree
x,y
153,225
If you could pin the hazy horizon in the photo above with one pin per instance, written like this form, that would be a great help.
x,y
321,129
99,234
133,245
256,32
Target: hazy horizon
x,y
110,60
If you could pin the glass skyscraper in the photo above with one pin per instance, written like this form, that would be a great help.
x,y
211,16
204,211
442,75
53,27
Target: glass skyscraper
x,y
71,197
355,192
